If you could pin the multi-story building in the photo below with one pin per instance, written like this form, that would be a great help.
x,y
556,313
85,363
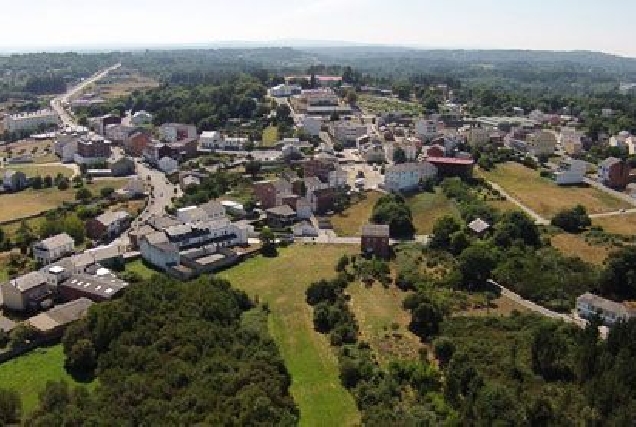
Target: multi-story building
x,y
542,143
570,171
53,248
625,141
26,292
478,136
107,225
571,140
426,129
92,149
347,132
136,143
30,121
407,176
613,173
99,124
284,91
410,150
211,140
174,132
271,193
312,125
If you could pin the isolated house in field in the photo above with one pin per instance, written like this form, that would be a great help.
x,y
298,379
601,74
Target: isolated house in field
x,y
376,240
570,171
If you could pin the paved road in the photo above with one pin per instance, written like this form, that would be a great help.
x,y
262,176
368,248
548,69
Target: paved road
x,y
57,103
616,213
538,219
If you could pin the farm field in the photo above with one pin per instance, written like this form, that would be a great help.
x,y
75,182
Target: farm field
x,y
29,373
31,202
281,283
546,198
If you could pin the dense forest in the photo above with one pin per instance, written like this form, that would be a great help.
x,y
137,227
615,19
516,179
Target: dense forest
x,y
171,353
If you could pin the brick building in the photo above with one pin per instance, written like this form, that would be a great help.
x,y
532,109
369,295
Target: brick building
x,y
375,240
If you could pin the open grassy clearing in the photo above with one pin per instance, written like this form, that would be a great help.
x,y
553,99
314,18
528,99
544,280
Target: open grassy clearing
x,y
31,202
574,245
383,322
427,208
544,196
32,170
372,104
42,151
281,282
138,266
502,205
29,373
622,224
125,86
270,136
502,306
350,222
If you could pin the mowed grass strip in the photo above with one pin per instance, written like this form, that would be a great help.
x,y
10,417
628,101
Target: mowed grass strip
x,y
32,170
312,363
29,373
427,208
350,222
383,322
31,202
544,196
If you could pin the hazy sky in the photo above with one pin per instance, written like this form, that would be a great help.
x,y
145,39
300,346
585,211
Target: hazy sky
x,y
526,24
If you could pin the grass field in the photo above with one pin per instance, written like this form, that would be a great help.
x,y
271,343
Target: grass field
x,y
503,205
31,202
28,374
545,197
33,170
428,208
350,222
383,323
623,224
140,268
575,245
270,136
378,104
281,282
125,86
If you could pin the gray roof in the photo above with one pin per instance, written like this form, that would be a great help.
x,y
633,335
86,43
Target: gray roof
x,y
55,242
610,161
479,225
283,210
212,207
163,222
375,230
28,281
106,286
110,217
178,230
606,305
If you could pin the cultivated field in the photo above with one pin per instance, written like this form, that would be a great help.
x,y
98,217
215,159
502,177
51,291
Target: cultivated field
x,y
31,202
427,208
350,222
281,282
544,196
28,374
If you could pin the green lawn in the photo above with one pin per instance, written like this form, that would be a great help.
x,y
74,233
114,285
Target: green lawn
x,y
28,374
270,136
372,104
34,170
312,363
350,222
140,268
428,208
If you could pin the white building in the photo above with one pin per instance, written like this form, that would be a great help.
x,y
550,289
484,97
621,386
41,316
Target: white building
x,y
570,171
167,165
337,178
426,129
173,132
625,141
53,248
284,91
213,140
66,149
30,121
157,250
141,118
589,305
407,176
312,125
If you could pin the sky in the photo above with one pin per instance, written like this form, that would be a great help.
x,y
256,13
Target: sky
x,y
467,24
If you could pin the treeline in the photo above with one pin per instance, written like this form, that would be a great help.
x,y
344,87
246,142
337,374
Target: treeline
x,y
171,353
45,85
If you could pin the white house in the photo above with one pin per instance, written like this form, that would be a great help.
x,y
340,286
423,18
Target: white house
x,y
348,132
158,251
25,291
625,141
284,91
168,165
407,176
30,121
570,171
426,129
53,248
589,305
141,118
210,140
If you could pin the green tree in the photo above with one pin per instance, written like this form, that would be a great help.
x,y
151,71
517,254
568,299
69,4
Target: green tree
x,y
618,280
253,167
106,192
399,155
10,407
444,349
443,229
82,357
83,194
37,182
572,220
75,228
516,225
268,242
476,264
393,211
62,185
